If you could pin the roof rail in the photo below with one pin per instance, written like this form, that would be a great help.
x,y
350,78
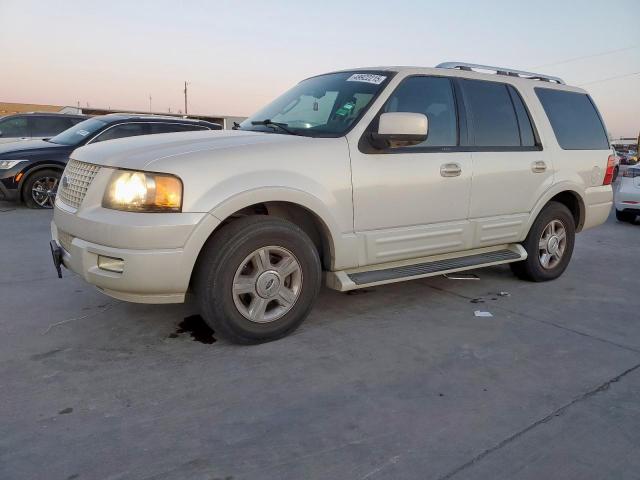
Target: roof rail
x,y
501,71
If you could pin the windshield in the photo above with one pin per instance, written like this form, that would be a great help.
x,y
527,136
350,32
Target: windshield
x,y
79,132
323,106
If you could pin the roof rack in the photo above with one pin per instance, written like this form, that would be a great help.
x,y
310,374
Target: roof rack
x,y
501,71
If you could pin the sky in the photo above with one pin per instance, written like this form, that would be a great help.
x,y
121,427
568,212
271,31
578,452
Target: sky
x,y
237,55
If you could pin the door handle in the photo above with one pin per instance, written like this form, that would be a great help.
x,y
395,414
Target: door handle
x,y
450,170
538,166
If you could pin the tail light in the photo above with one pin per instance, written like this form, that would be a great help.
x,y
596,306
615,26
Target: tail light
x,y
608,176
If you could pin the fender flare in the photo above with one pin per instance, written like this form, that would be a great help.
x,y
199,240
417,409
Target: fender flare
x,y
556,189
279,194
217,215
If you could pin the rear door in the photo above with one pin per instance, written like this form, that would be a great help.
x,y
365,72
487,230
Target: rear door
x,y
510,169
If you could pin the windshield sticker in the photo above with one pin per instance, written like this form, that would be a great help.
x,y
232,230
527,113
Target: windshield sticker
x,y
367,78
84,133
345,109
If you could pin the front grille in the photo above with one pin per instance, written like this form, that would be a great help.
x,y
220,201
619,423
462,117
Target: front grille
x,y
75,181
65,239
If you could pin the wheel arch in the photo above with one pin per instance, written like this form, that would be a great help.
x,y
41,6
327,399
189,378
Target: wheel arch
x,y
300,208
567,195
303,217
27,173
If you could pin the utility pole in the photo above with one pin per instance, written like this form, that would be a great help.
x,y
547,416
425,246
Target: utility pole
x,y
150,104
185,97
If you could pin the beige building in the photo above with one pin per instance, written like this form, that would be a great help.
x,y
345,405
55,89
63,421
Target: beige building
x,y
7,108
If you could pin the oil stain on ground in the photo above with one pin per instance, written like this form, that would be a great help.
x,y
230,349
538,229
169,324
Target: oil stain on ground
x,y
195,326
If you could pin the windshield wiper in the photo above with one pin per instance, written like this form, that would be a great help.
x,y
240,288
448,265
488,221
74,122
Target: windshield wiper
x,y
282,126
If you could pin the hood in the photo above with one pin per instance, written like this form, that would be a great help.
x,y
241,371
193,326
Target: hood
x,y
139,152
28,148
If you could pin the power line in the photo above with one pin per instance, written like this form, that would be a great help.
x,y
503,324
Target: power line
x,y
610,78
575,59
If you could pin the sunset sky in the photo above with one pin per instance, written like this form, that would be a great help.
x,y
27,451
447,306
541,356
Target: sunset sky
x,y
238,55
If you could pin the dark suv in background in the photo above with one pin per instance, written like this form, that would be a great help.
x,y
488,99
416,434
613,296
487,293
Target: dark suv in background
x,y
36,125
30,170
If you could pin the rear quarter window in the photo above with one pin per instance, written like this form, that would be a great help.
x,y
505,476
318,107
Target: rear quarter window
x,y
574,119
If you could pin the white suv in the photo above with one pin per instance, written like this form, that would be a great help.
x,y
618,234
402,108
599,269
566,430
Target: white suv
x,y
359,177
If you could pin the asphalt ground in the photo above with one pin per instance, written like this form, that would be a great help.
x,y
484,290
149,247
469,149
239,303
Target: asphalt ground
x,y
396,382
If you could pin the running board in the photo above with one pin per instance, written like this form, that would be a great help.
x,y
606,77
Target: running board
x,y
352,279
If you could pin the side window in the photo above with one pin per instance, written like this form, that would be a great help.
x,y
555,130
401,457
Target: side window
x,y
432,96
14,127
173,127
527,137
574,119
122,131
493,118
48,126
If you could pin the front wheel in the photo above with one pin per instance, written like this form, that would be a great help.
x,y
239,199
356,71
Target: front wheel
x,y
41,188
257,279
549,245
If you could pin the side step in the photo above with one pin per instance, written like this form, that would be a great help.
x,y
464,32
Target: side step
x,y
346,280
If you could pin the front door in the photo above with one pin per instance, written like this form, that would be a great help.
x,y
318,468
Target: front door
x,y
413,201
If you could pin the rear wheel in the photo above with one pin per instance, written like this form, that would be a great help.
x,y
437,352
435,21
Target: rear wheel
x,y
549,245
40,188
625,216
257,279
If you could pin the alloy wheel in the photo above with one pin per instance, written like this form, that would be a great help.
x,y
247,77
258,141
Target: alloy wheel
x,y
267,284
552,244
44,191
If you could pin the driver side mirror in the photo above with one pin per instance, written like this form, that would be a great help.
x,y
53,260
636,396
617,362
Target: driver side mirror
x,y
400,129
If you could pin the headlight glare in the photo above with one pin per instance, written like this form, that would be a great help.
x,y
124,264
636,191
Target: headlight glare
x,y
7,164
143,192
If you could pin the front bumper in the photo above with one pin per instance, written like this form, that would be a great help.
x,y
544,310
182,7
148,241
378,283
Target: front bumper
x,y
8,186
160,253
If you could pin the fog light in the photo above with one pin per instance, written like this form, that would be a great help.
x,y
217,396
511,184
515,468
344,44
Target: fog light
x,y
111,264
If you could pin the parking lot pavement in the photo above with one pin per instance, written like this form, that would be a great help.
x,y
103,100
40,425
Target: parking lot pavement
x,y
398,382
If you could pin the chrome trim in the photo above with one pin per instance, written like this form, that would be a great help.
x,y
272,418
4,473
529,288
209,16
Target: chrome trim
x,y
501,71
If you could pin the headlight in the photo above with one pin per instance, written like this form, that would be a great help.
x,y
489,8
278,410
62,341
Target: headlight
x,y
7,164
143,192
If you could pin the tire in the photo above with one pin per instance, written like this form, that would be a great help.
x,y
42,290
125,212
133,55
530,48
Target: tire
x,y
625,216
557,259
233,261
46,182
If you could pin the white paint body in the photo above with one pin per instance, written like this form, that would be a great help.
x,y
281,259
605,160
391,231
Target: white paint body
x,y
627,195
375,208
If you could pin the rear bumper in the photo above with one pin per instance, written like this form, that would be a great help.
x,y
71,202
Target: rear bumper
x,y
598,202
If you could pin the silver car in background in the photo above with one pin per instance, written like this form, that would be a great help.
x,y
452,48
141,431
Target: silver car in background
x,y
627,196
